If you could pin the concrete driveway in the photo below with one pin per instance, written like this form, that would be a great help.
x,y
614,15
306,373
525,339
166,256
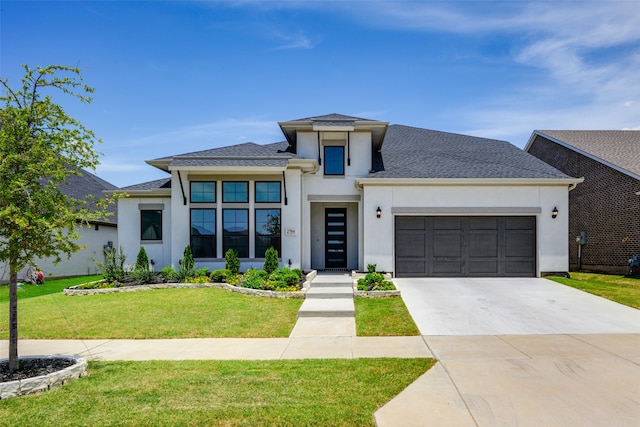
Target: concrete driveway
x,y
519,352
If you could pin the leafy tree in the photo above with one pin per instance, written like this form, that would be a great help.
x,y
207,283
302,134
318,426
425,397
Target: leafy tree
x,y
40,147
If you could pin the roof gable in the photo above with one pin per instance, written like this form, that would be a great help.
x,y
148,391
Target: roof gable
x,y
619,149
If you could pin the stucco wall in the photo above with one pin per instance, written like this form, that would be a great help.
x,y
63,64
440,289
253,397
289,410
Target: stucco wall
x,y
536,201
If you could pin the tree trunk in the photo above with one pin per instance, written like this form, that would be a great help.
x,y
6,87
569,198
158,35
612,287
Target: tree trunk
x,y
13,319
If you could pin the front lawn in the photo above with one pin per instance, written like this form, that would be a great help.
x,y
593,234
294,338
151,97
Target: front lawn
x,y
27,290
221,393
383,317
167,313
621,289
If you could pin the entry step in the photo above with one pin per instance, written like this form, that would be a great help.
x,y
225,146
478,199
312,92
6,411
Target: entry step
x,y
330,292
325,307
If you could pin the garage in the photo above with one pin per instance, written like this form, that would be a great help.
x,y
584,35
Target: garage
x,y
465,246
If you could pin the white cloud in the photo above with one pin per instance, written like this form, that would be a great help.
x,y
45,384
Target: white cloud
x,y
295,41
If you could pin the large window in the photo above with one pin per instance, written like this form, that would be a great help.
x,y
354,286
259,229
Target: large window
x,y
267,191
235,192
203,233
151,225
235,233
333,160
267,230
203,192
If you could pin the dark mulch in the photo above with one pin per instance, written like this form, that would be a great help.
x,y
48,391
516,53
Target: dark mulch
x,y
29,368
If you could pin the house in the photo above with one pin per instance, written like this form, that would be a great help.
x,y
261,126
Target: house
x,y
94,238
605,208
343,192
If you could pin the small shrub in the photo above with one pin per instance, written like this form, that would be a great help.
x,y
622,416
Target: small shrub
x,y
375,282
371,268
187,268
113,267
219,276
142,260
234,279
231,261
271,262
254,279
143,277
202,272
169,274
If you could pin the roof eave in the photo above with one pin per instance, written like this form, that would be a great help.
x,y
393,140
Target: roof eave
x,y
476,182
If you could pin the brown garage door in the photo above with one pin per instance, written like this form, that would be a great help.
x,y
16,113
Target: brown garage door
x,y
465,246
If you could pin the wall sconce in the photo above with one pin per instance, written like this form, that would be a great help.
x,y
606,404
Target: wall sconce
x,y
554,213
378,212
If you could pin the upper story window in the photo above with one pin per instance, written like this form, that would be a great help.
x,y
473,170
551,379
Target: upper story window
x,y
267,191
151,224
235,192
203,192
334,160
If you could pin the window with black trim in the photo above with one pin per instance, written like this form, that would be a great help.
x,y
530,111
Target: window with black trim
x,y
235,231
334,160
267,192
267,231
203,192
151,224
203,233
235,192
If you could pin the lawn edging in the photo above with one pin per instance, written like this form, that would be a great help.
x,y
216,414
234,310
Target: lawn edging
x,y
43,383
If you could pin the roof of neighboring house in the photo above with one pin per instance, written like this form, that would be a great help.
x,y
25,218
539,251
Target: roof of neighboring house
x,y
164,183
618,148
89,185
410,152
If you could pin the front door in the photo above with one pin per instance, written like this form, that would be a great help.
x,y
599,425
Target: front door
x,y
335,225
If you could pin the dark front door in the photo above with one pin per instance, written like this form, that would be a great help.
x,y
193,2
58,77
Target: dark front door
x,y
335,243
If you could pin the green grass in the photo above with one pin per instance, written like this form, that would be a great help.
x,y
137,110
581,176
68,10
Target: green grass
x,y
221,393
383,317
28,290
621,289
166,313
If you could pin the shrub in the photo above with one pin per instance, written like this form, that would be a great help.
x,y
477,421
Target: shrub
x,y
113,267
169,273
285,279
271,262
371,268
219,276
254,279
187,268
375,282
143,277
142,260
231,261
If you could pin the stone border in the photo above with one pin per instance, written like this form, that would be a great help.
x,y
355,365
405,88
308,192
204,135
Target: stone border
x,y
74,291
373,294
44,382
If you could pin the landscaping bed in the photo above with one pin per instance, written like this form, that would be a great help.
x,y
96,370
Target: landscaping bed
x,y
37,374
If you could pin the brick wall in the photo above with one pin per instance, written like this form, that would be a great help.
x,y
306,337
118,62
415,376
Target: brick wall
x,y
604,205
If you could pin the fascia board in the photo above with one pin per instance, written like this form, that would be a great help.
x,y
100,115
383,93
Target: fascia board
x,y
164,192
469,182
240,170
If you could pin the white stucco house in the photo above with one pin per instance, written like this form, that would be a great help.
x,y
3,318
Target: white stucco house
x,y
343,192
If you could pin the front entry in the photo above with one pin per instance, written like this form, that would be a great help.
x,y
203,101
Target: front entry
x,y
335,243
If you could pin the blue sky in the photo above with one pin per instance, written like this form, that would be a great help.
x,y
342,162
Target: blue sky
x,y
181,76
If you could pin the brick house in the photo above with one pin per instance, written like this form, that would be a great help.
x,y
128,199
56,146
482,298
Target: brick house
x,y
606,205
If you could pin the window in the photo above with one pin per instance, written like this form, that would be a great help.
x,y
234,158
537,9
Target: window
x,y
151,224
235,233
267,191
334,160
203,192
235,192
203,233
267,230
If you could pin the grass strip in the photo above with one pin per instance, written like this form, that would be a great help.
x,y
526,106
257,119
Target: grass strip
x,y
221,393
27,290
621,289
166,313
383,317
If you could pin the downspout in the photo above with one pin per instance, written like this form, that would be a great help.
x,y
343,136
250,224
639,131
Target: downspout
x,y
284,185
348,148
184,198
319,156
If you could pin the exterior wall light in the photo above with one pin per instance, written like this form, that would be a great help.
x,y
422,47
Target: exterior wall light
x,y
378,212
554,213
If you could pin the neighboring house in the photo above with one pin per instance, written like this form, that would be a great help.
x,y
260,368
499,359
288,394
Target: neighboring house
x,y
95,237
606,205
343,192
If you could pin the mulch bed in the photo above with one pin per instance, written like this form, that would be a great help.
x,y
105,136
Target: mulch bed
x,y
33,367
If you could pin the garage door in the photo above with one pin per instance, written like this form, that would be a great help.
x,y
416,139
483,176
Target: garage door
x,y
465,246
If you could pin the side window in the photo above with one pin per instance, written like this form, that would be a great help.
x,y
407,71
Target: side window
x,y
203,233
333,160
267,191
151,225
203,192
267,231
235,192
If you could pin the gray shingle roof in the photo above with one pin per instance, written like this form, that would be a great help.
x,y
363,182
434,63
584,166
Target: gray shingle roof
x,y
410,152
617,147
89,185
149,185
333,117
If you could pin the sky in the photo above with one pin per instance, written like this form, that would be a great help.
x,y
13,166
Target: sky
x,y
174,77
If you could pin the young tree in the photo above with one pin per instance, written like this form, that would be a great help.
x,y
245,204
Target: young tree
x,y
40,146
